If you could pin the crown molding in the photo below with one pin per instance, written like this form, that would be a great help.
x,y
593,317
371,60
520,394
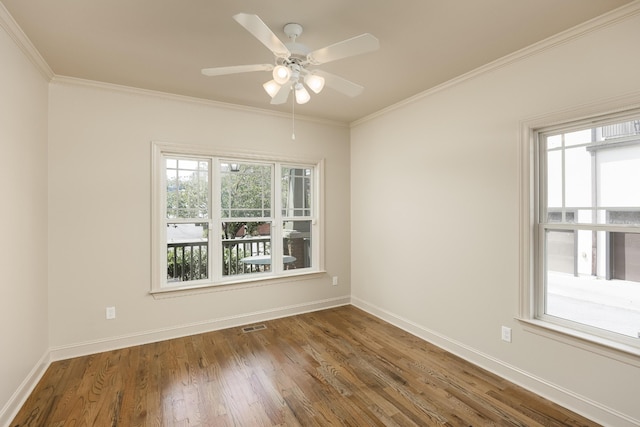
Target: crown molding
x,y
21,40
111,87
608,19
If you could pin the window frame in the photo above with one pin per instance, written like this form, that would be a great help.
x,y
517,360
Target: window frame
x,y
532,201
216,280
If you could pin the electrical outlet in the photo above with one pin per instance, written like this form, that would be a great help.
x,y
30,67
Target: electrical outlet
x,y
335,280
506,334
111,313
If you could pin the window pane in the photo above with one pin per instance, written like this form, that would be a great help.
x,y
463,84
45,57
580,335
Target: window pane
x,y
563,216
554,141
297,244
577,177
554,179
561,251
187,191
604,292
187,252
591,272
625,257
623,217
296,191
246,247
579,137
619,175
245,190
594,179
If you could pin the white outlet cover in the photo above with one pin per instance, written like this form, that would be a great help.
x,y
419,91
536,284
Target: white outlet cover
x,y
506,334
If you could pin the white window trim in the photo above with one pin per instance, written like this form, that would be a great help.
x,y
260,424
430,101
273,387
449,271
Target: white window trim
x,y
159,149
590,114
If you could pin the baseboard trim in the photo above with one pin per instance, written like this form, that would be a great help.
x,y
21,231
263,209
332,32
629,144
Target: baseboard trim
x,y
570,400
10,410
146,337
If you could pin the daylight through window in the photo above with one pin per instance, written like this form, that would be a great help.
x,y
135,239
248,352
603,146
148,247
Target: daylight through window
x,y
227,220
587,242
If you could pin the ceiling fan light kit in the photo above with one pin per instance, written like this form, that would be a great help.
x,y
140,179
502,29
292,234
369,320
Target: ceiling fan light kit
x,y
292,60
315,83
302,95
281,74
271,87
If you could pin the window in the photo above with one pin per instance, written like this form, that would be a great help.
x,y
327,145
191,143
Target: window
x,y
228,219
585,229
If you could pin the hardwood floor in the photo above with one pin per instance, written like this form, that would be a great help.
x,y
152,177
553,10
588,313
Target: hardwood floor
x,y
334,367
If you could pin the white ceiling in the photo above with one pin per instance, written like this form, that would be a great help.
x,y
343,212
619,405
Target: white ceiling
x,y
162,44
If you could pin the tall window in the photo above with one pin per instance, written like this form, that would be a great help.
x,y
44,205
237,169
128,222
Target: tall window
x,y
586,229
187,218
223,220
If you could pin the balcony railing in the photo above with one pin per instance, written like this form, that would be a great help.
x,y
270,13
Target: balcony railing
x,y
236,249
188,260
621,129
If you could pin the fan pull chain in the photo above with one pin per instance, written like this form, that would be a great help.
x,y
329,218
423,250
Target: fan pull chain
x,y
293,118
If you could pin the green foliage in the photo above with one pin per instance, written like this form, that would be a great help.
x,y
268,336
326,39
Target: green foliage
x,y
232,257
186,263
188,197
247,192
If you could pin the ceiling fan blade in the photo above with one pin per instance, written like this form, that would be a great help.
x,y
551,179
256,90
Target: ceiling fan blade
x,y
221,71
354,46
282,95
263,33
341,85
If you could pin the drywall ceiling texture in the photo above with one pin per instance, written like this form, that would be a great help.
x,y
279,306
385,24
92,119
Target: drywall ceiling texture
x,y
99,214
446,194
23,253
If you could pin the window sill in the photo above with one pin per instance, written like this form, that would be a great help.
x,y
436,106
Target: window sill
x,y
244,283
605,347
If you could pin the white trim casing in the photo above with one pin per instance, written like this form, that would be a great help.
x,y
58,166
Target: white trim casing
x,y
160,149
179,331
590,114
17,400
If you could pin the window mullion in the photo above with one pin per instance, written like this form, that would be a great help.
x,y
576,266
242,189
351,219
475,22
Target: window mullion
x,y
276,215
215,235
564,180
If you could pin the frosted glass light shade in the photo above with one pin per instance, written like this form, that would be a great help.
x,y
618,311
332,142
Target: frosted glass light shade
x,y
302,96
315,82
281,74
271,87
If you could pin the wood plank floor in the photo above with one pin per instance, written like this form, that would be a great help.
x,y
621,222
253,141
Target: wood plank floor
x,y
334,367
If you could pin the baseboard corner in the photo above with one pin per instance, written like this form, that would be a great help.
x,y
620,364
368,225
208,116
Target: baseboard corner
x,y
19,397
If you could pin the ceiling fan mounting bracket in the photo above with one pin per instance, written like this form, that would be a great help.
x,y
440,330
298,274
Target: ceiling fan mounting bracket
x,y
293,31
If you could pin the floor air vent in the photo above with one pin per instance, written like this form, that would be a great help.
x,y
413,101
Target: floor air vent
x,y
253,328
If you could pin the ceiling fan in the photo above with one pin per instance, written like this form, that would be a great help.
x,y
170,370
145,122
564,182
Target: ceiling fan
x,y
293,61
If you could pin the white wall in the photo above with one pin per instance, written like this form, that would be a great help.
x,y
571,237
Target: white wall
x,y
23,217
435,215
100,212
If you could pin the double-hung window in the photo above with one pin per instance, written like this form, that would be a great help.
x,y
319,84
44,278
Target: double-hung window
x,y
227,219
585,230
